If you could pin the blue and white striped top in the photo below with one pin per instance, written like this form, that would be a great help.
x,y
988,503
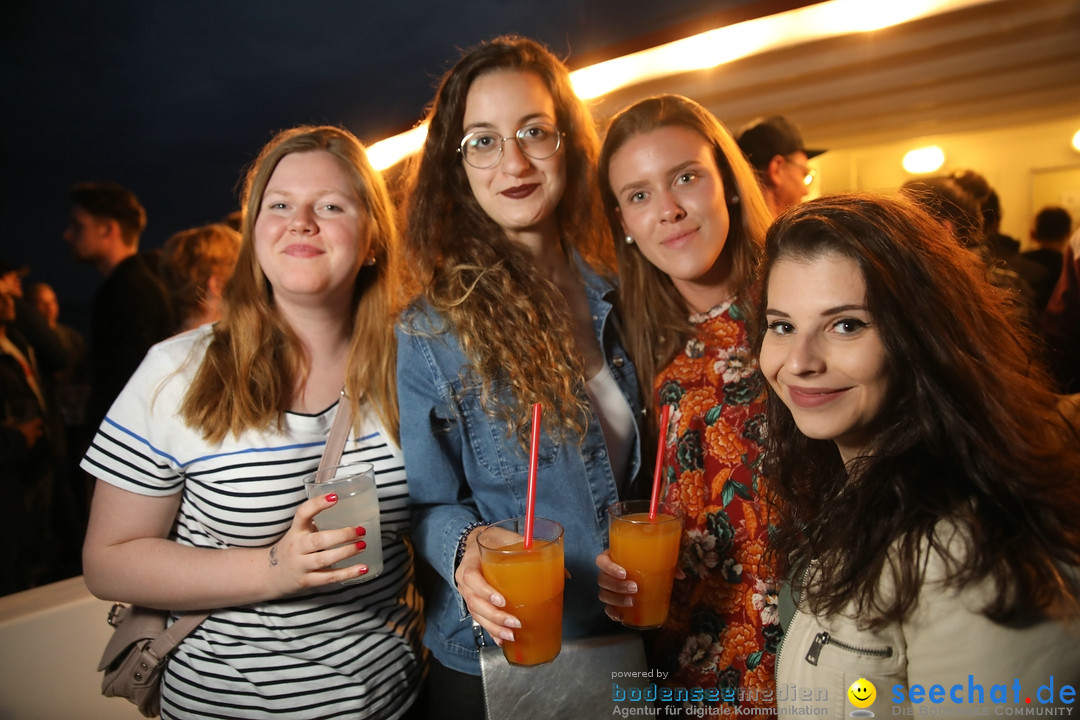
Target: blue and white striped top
x,y
336,651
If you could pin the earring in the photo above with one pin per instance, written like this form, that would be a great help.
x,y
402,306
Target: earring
x,y
734,200
629,240
370,261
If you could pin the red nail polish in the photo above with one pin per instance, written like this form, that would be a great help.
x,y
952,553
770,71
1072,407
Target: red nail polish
x,y
360,532
331,498
363,570
360,544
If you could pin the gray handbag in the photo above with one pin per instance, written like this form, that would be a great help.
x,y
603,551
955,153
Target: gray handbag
x,y
137,651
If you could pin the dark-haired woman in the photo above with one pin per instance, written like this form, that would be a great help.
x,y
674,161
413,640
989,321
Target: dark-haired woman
x,y
930,485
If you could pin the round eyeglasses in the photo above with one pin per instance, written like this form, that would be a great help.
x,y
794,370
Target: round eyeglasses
x,y
484,148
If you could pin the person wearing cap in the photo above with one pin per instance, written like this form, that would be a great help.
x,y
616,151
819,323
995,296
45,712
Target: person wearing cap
x,y
775,149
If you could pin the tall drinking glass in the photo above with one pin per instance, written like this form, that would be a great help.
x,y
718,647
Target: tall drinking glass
x,y
532,583
649,551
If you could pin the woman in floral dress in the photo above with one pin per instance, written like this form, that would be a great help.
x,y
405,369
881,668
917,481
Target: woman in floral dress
x,y
690,218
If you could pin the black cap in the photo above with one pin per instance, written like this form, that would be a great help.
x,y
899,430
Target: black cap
x,y
765,138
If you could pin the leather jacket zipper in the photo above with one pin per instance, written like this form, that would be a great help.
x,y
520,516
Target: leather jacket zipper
x,y
823,638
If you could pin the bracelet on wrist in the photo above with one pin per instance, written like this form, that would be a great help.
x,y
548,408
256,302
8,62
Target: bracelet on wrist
x,y
463,541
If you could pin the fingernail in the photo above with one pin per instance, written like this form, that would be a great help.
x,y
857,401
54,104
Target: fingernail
x,y
514,623
631,587
497,600
360,544
363,570
331,498
360,532
507,635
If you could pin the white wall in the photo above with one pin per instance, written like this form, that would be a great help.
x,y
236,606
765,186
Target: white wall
x,y
51,639
1029,166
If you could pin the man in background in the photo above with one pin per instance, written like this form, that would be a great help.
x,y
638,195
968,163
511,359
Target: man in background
x,y
131,311
776,151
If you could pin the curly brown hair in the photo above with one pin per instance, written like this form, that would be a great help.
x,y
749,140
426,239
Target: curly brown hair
x,y
514,326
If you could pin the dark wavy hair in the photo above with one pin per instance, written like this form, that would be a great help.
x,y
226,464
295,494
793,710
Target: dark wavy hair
x,y
465,266
969,435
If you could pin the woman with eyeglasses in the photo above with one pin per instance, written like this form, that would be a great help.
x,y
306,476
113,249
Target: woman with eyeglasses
x,y
506,239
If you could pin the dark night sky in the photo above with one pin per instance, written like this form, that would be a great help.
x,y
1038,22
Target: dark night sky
x,y
173,99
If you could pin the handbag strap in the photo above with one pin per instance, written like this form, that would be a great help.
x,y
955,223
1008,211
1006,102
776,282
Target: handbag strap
x,y
339,432
173,635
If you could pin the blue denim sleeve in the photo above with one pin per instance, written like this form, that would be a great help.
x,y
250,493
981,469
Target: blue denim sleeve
x,y
431,439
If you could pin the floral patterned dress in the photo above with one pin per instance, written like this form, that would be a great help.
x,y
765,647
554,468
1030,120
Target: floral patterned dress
x,y
723,629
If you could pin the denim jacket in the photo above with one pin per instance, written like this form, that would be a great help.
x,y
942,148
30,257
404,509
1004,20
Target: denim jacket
x,y
463,468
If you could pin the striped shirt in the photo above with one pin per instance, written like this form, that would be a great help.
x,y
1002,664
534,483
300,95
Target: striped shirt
x,y
331,652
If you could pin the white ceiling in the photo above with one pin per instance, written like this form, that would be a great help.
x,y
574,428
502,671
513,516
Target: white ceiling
x,y
997,64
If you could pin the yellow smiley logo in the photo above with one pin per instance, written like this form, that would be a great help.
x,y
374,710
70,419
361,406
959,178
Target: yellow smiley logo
x,y
862,693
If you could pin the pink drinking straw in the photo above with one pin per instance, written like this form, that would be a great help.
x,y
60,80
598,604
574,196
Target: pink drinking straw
x,y
654,502
530,496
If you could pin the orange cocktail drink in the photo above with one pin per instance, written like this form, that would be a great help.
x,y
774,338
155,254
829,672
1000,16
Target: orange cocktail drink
x,y
532,583
649,551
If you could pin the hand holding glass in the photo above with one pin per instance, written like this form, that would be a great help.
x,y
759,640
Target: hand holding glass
x,y
357,506
649,551
531,581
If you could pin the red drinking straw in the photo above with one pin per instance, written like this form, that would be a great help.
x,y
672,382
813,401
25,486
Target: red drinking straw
x,y
530,496
654,502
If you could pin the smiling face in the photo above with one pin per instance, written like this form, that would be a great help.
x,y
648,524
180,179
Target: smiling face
x,y
862,693
311,231
821,352
519,193
671,202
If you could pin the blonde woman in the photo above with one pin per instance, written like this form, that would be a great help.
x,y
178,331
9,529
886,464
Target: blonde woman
x,y
199,502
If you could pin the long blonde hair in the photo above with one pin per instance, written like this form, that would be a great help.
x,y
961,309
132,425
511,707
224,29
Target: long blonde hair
x,y
255,360
655,314
514,326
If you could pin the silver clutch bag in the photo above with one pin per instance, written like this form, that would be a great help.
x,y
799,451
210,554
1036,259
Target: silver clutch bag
x,y
578,683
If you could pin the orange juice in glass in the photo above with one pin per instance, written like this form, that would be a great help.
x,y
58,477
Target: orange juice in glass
x,y
649,551
532,583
